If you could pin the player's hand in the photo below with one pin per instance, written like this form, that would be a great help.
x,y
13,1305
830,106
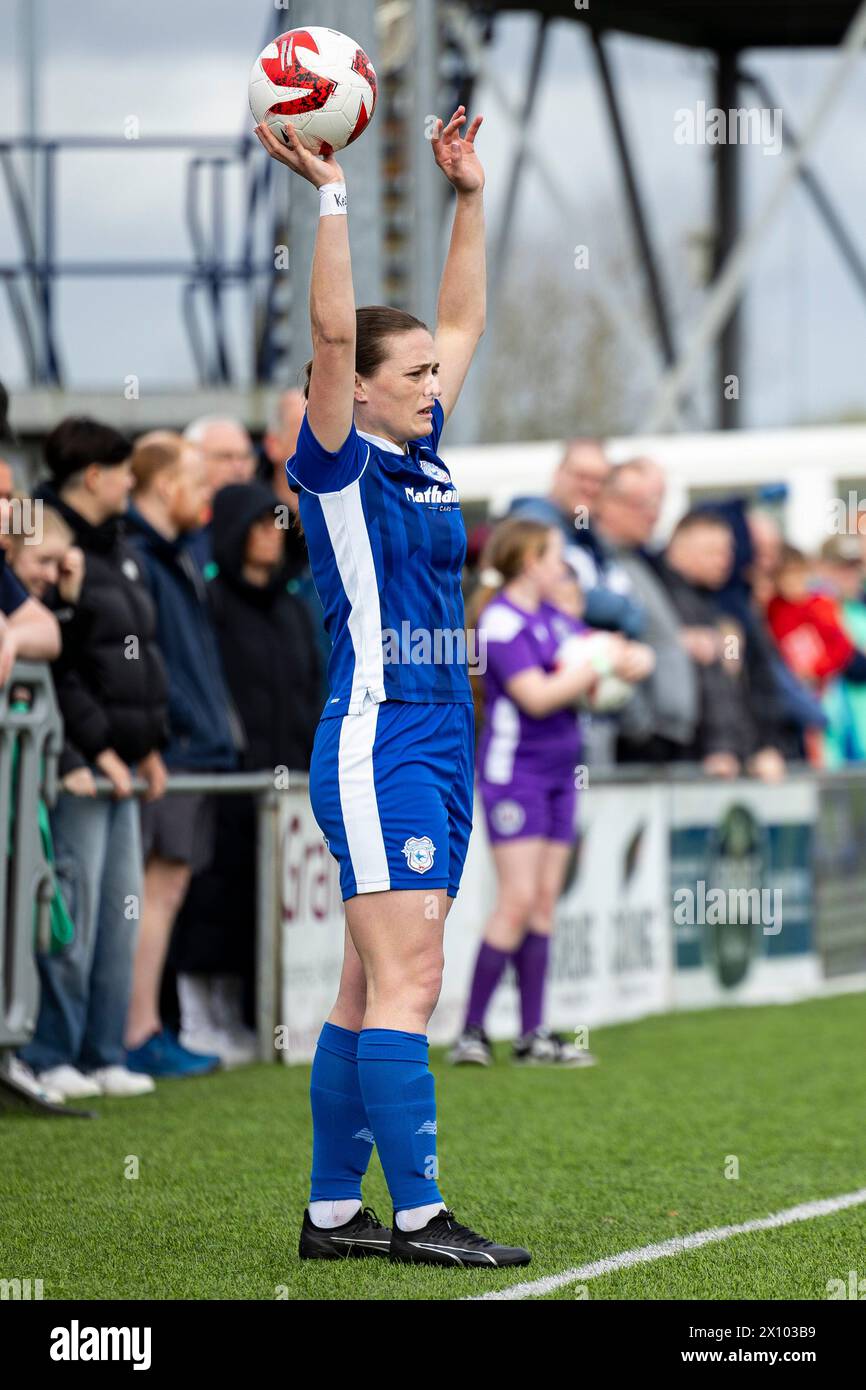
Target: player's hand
x,y
456,155
295,155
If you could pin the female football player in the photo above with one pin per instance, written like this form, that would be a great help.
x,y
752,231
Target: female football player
x,y
392,767
528,758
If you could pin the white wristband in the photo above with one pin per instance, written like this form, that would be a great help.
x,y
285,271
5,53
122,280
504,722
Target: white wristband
x,y
333,200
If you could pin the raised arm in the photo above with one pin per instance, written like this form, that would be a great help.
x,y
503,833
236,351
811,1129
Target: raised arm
x,y
462,306
332,296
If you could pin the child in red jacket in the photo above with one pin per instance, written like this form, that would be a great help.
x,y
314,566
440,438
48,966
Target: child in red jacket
x,y
808,627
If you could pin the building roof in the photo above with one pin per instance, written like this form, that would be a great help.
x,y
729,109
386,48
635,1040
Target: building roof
x,y
704,23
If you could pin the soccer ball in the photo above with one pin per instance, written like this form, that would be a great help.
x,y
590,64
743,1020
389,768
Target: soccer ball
x,y
320,81
609,692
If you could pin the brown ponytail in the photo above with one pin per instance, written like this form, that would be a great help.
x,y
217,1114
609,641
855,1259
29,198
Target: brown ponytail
x,y
375,323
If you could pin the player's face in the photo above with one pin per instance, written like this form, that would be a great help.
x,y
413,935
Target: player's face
x,y
399,398
566,594
546,568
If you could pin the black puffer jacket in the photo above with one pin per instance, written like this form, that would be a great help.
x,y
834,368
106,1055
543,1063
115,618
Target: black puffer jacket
x,y
266,639
110,677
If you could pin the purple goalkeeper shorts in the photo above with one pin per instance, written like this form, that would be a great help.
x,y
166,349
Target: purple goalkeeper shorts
x,y
528,806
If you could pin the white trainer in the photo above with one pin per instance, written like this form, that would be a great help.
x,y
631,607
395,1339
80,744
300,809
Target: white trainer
x,y
26,1078
231,1051
119,1081
226,993
70,1082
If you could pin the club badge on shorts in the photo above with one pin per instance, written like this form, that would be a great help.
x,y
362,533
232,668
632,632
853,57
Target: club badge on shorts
x,y
508,817
419,853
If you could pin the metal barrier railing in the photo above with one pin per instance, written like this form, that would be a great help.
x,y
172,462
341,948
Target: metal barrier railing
x,y
262,786
30,742
31,736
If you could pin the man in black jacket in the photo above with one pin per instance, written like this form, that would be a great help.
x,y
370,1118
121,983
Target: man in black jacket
x,y
111,688
171,495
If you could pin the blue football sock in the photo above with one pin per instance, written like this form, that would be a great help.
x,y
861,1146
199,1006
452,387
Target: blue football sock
x,y
342,1137
400,1099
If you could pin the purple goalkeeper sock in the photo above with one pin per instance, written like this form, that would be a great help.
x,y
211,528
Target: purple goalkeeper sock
x,y
531,964
489,967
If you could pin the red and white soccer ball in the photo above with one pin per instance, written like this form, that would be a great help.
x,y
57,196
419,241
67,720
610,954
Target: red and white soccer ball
x,y
318,80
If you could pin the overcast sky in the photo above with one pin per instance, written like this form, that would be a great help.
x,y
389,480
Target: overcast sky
x,y
183,68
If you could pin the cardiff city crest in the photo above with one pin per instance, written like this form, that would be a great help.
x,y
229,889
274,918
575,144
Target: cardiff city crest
x,y
434,471
419,853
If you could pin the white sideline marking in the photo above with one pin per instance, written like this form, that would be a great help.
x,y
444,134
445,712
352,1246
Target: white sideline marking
x,y
824,1207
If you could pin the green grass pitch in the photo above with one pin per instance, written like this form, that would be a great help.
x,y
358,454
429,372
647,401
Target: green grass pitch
x,y
576,1165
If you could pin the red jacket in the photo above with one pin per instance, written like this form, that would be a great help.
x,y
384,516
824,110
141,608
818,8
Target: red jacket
x,y
810,636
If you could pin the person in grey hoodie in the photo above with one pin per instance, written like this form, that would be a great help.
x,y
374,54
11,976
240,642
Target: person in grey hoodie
x,y
661,720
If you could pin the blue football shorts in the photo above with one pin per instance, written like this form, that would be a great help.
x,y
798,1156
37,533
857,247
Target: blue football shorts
x,y
391,789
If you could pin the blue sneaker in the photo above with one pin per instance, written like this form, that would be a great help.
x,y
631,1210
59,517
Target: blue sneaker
x,y
187,1057
162,1055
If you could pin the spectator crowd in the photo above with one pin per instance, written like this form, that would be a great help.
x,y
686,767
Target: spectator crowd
x,y
760,649
168,585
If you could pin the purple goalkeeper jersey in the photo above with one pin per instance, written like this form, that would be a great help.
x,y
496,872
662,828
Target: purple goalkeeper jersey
x,y
514,744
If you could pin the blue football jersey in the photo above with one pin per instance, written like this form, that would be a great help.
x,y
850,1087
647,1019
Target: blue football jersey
x,y
387,544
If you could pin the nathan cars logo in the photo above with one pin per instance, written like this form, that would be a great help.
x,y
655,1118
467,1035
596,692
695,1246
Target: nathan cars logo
x,y
433,495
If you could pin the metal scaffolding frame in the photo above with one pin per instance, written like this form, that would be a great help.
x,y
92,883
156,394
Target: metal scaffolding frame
x,y
400,206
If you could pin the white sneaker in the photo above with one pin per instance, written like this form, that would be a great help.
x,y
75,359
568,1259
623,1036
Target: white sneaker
x,y
70,1082
231,1051
118,1081
226,993
193,997
244,1044
25,1077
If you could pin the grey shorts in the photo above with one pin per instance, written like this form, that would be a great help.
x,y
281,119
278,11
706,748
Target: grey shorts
x,y
179,828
